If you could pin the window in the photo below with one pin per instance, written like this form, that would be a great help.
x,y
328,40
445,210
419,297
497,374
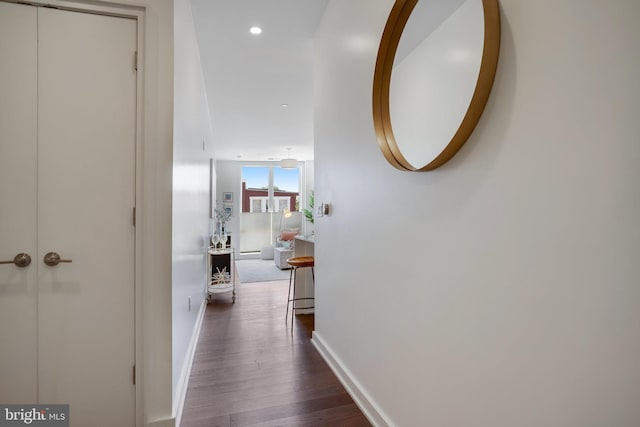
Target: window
x,y
266,192
282,203
258,204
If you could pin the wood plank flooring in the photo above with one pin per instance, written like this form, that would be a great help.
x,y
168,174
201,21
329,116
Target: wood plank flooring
x,y
249,370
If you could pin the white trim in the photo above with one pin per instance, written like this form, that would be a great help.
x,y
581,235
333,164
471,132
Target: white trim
x,y
367,405
169,422
140,236
110,8
183,380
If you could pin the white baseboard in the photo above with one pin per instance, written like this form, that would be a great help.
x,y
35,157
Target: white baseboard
x,y
169,422
183,381
368,407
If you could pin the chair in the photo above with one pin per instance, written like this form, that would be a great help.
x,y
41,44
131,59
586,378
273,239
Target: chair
x,y
296,263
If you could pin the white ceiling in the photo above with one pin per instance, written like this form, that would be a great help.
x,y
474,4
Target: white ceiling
x,y
249,77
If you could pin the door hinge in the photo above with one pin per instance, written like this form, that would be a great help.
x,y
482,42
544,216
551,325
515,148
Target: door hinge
x,y
134,374
134,216
135,60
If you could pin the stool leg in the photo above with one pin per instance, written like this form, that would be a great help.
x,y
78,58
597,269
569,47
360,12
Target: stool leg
x,y
293,305
289,296
313,276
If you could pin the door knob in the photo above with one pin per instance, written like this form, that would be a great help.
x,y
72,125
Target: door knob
x,y
20,260
52,259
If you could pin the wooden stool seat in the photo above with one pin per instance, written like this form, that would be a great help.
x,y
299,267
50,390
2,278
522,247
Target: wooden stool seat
x,y
301,261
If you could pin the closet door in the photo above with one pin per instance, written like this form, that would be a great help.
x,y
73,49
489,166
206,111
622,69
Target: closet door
x,y
67,185
18,133
86,195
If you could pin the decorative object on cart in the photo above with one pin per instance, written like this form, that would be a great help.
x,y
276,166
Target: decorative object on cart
x,y
308,213
228,210
224,236
223,215
220,277
220,241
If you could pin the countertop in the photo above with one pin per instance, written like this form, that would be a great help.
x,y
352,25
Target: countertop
x,y
309,238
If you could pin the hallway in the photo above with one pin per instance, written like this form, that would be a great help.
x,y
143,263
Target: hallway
x,y
250,371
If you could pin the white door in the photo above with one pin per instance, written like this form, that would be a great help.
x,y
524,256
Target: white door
x,y
18,202
85,186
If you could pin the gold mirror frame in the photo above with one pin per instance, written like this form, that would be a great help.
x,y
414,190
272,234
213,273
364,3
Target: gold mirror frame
x,y
396,22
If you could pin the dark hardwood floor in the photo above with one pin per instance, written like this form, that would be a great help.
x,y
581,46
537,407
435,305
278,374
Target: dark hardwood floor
x,y
250,371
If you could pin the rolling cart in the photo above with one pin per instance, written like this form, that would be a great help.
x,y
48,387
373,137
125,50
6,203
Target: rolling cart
x,y
221,273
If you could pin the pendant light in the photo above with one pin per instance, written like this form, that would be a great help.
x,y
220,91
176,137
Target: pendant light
x,y
288,163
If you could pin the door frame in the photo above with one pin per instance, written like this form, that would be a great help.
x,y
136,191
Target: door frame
x,y
152,214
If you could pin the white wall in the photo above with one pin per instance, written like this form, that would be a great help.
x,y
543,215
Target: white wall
x,y
191,224
501,289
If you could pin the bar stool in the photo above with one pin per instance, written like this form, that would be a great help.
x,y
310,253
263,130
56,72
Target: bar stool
x,y
296,263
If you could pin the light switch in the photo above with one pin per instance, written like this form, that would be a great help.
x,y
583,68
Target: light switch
x,y
326,209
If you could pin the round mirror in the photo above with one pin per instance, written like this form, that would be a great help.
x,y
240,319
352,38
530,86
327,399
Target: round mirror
x,y
434,72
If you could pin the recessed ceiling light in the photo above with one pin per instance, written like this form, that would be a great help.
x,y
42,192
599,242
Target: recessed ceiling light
x,y
284,105
255,30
